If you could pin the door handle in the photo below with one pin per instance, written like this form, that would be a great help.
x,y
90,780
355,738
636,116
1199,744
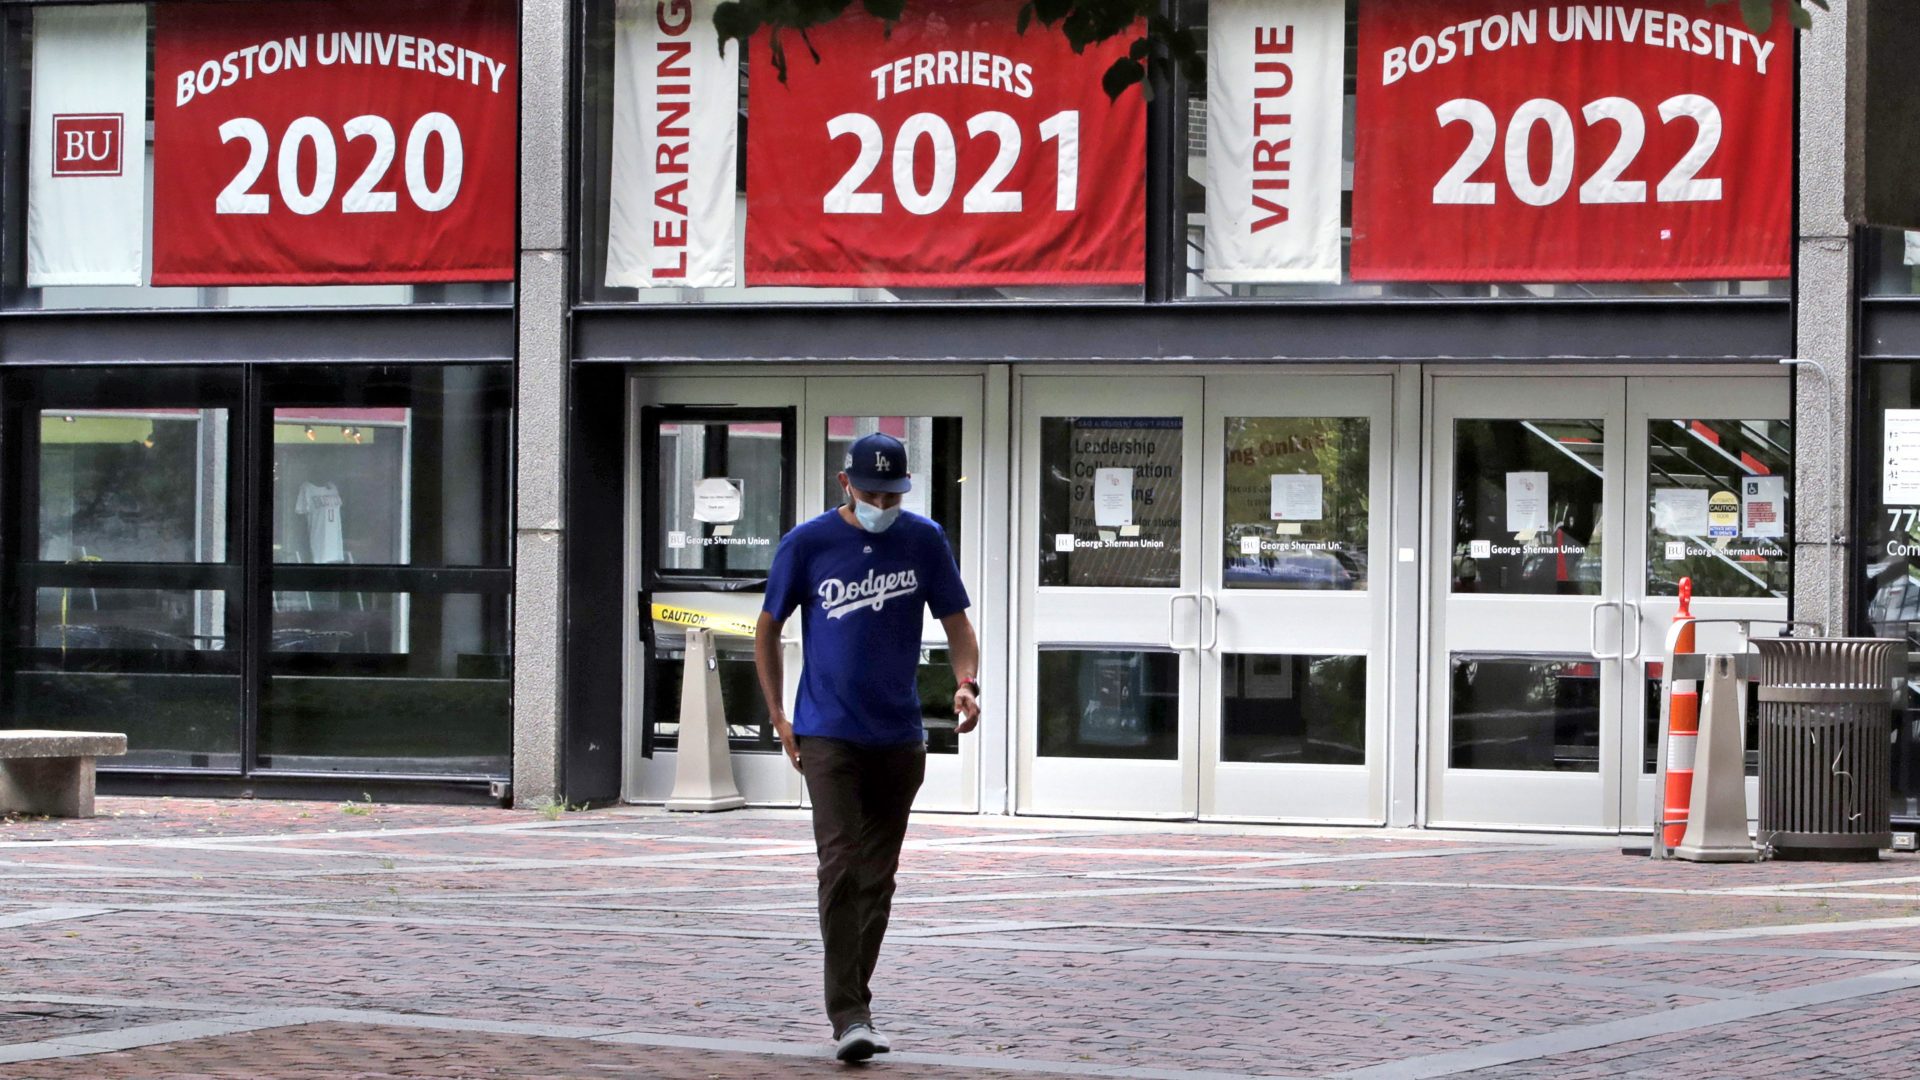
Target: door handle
x,y
1593,630
1212,603
1639,628
1173,621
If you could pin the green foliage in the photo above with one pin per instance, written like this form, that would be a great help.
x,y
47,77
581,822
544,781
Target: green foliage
x,y
1151,57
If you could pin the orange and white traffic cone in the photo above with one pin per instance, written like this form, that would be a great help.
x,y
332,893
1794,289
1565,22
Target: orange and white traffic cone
x,y
1683,722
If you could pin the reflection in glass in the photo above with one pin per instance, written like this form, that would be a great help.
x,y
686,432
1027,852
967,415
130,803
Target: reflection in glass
x,y
1297,710
133,485
387,682
152,663
1528,512
408,467
933,460
720,488
1889,562
1295,503
340,485
1717,507
1109,703
1525,712
1110,501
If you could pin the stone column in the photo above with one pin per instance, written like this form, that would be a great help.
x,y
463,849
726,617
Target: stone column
x,y
541,402
1824,284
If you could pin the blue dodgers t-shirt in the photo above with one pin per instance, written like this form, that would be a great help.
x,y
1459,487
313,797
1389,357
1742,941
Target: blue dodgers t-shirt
x,y
860,596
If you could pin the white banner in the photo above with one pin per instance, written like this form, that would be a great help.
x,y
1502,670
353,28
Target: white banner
x,y
87,178
1274,117
676,105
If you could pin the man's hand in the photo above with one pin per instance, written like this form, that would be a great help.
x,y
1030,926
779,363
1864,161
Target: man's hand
x,y
787,741
966,708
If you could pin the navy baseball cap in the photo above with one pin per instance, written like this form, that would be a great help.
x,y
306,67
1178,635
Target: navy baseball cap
x,y
878,462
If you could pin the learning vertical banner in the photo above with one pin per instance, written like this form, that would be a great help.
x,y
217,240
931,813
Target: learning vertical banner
x,y
947,150
319,142
1275,105
1571,142
676,103
87,171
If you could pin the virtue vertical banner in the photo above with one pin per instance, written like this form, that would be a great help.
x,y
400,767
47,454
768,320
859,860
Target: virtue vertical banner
x,y
1274,109
1550,142
317,142
676,103
87,178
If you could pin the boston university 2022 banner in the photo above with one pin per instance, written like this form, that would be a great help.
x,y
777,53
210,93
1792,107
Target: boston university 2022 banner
x,y
676,105
1275,102
350,141
953,151
1570,142
87,181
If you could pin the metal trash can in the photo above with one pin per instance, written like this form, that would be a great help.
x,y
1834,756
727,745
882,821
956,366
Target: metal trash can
x,y
1826,720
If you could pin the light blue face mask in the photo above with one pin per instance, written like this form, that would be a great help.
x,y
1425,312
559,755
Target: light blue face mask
x,y
872,518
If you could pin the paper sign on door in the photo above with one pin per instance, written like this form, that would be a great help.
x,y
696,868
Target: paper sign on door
x,y
1112,498
1297,498
1763,506
1680,511
716,500
1526,502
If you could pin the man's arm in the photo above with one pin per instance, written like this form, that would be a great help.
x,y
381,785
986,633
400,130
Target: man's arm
x,y
964,651
771,667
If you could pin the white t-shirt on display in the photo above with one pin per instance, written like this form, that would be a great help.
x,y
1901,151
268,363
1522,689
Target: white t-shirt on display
x,y
321,505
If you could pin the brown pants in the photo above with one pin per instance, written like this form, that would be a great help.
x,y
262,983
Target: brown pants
x,y
861,796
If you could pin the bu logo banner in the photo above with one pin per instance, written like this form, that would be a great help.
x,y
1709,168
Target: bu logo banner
x,y
87,144
86,189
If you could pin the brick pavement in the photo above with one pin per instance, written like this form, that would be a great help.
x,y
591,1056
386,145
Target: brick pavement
x,y
192,938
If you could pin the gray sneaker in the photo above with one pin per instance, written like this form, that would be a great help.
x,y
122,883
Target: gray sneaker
x,y
857,1043
881,1044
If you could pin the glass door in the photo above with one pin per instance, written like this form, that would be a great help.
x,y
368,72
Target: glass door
x,y
1294,667
1526,640
938,418
1709,471
1111,612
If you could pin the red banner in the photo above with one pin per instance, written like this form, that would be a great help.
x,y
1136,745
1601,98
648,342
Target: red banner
x,y
1571,143
339,142
954,151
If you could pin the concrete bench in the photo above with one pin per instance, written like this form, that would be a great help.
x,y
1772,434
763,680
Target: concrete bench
x,y
51,772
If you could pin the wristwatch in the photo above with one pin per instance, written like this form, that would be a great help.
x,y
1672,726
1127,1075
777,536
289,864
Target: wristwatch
x,y
970,684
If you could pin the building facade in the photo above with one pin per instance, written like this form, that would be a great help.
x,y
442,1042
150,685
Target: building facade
x,y
1323,439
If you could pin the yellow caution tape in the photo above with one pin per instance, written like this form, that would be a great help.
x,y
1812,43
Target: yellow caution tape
x,y
704,620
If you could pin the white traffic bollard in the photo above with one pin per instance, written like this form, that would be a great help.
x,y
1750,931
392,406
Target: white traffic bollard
x,y
703,765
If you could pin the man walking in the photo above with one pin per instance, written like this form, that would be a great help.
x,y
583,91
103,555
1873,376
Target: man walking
x,y
860,575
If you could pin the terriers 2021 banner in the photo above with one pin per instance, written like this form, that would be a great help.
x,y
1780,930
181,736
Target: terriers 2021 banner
x,y
1275,102
1573,142
954,151
353,141
87,184
676,106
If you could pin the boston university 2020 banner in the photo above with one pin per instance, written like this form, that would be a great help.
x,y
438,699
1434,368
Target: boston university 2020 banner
x,y
676,105
87,178
1570,142
349,141
953,151
1275,102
